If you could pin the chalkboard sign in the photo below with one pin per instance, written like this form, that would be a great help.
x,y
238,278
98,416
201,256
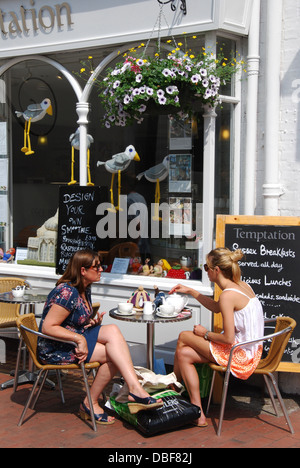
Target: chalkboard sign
x,y
77,222
271,266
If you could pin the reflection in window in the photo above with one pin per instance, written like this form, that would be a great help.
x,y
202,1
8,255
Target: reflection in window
x,y
159,140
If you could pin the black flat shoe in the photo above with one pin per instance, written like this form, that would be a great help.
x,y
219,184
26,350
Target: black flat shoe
x,y
143,404
101,418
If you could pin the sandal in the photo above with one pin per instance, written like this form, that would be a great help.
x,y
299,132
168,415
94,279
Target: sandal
x,y
101,418
140,404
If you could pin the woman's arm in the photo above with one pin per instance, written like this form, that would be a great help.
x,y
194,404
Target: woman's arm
x,y
228,335
52,326
206,301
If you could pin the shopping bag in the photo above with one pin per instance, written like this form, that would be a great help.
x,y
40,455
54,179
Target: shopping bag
x,y
176,412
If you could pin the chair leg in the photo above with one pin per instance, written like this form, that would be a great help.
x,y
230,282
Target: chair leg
x,y
271,394
87,388
28,402
60,386
16,376
223,402
281,402
40,389
211,391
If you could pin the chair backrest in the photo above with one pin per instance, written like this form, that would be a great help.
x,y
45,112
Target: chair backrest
x,y
7,283
30,339
278,345
95,307
9,312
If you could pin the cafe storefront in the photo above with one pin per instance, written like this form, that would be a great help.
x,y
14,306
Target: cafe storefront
x,y
43,51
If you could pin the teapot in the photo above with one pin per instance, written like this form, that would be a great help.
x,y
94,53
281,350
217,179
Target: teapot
x,y
185,261
179,302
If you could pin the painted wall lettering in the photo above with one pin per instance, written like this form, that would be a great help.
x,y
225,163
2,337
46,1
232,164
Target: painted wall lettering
x,y
31,19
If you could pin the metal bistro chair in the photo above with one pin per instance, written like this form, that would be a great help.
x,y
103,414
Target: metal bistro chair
x,y
29,331
266,367
9,312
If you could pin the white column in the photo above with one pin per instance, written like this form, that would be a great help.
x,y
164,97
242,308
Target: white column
x,y
82,109
251,143
208,183
271,188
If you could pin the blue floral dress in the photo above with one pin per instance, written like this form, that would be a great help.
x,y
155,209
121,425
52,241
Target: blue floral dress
x,y
68,297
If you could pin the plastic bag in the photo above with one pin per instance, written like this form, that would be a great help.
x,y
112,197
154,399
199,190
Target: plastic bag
x,y
151,382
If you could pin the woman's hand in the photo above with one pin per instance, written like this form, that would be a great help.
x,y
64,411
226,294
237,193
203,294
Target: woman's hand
x,y
180,289
81,350
97,320
199,330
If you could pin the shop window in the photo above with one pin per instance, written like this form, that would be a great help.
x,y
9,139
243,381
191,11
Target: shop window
x,y
177,237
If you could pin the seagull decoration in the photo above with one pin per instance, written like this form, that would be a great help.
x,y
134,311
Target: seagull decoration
x,y
75,143
33,113
116,165
156,174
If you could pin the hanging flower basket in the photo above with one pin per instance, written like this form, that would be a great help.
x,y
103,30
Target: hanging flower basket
x,y
175,84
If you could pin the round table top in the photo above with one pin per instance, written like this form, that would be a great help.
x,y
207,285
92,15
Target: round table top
x,y
30,296
139,317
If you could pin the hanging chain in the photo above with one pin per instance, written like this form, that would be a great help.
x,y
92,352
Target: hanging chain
x,y
159,21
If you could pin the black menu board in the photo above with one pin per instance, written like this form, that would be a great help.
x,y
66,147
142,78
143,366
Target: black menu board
x,y
271,266
77,222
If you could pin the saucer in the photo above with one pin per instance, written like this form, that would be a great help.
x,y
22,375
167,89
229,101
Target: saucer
x,y
127,313
175,314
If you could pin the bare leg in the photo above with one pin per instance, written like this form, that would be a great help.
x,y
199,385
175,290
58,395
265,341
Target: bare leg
x,y
191,349
113,353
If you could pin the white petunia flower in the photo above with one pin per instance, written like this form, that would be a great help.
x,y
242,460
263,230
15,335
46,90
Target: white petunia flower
x,y
170,89
166,72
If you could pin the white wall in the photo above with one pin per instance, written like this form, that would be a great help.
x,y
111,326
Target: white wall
x,y
289,120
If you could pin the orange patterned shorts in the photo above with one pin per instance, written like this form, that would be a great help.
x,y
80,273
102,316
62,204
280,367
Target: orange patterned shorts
x,y
241,366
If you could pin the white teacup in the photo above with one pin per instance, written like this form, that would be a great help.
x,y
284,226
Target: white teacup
x,y
149,308
166,309
18,292
125,307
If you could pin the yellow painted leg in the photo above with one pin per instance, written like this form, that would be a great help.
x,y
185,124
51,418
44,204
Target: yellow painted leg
x,y
119,191
157,200
28,139
25,149
72,181
88,169
112,209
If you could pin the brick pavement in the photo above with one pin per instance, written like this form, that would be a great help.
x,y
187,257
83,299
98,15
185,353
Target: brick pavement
x,y
54,425
249,422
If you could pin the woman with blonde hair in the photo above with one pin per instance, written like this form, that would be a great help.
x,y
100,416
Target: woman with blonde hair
x,y
243,320
67,315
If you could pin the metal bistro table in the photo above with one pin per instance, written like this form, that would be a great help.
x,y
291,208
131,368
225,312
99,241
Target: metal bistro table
x,y
28,302
150,320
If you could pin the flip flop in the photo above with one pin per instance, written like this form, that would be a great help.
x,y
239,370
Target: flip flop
x,y
200,425
143,404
